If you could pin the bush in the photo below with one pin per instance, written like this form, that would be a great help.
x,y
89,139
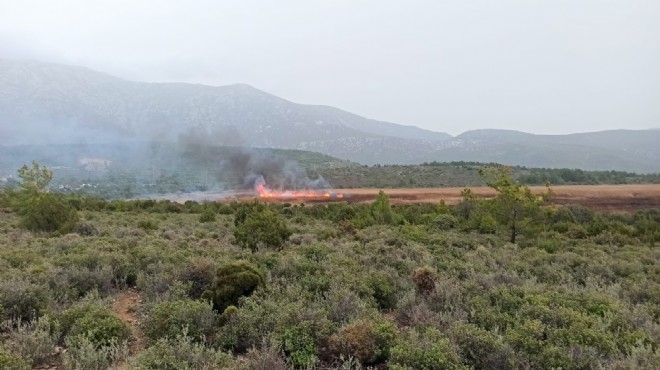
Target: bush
x,y
9,361
427,351
208,215
262,229
101,328
384,290
267,357
199,273
179,353
233,281
20,299
47,212
424,279
298,343
356,340
445,221
365,341
96,323
148,225
86,229
481,349
83,354
169,319
34,341
82,280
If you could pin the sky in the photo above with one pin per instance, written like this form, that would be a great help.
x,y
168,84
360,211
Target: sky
x,y
542,66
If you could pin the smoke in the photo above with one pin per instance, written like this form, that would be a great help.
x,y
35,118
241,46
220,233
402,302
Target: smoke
x,y
240,167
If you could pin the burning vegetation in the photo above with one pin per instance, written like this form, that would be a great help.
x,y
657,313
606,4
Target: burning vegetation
x,y
264,192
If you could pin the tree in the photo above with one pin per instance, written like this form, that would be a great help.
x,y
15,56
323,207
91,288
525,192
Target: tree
x,y
40,210
381,210
514,202
34,179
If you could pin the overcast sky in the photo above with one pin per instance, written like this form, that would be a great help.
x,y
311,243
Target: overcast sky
x,y
544,66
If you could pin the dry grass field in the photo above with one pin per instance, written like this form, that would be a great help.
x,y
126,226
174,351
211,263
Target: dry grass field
x,y
600,197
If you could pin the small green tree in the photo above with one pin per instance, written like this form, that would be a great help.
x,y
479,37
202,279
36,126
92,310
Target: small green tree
x,y
514,202
382,211
233,281
34,179
262,228
40,210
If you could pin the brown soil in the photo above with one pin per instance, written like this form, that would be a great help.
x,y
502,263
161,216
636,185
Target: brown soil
x,y
600,197
125,307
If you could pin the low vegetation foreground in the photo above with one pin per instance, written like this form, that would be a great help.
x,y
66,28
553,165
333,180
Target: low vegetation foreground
x,y
503,283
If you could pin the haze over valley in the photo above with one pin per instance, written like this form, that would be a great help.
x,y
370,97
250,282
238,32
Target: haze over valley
x,y
45,104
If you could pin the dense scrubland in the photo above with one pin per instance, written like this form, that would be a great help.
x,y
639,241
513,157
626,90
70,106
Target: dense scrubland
x,y
504,283
128,171
452,174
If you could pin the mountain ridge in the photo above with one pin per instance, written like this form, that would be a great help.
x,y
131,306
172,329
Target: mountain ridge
x,y
51,103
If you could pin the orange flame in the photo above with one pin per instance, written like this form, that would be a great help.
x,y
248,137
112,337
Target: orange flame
x,y
264,192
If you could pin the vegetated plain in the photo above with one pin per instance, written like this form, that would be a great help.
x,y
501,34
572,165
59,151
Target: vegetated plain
x,y
115,171
501,283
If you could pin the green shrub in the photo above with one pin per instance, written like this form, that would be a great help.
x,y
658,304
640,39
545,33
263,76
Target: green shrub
x,y
82,280
445,221
233,281
47,212
576,232
148,225
384,290
480,220
268,356
20,299
199,273
244,209
298,343
6,197
83,354
424,351
207,215
101,328
169,319
94,322
33,341
262,229
482,349
86,229
181,353
9,361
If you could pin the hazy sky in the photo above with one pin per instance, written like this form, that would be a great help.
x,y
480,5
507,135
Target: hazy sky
x,y
546,66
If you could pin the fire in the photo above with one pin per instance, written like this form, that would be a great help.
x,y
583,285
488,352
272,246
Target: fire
x,y
265,192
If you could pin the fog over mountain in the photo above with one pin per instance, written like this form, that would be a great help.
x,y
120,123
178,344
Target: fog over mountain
x,y
43,103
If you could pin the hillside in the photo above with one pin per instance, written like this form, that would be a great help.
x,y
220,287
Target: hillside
x,y
425,286
55,104
79,102
626,150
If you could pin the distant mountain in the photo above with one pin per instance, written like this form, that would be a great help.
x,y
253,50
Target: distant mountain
x,y
625,150
74,102
44,103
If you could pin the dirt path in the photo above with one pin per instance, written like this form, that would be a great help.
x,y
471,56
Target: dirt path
x,y
125,307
